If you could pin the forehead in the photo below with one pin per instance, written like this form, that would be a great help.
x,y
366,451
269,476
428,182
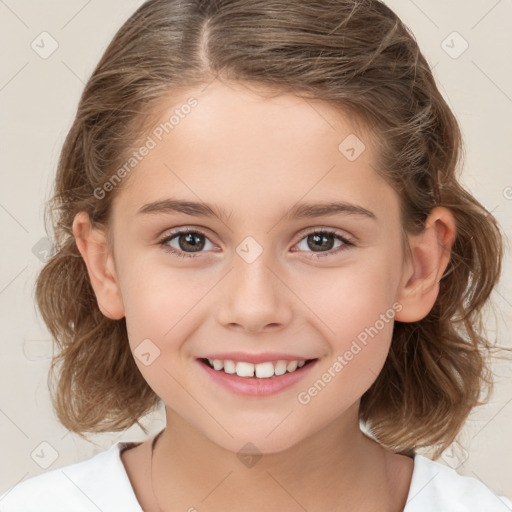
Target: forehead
x,y
247,147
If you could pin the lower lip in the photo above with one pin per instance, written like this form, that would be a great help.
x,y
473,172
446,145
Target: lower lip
x,y
253,386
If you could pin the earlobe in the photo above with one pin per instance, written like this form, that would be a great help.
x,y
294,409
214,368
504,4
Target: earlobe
x,y
430,255
93,247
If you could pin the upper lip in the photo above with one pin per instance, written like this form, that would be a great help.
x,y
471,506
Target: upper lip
x,y
262,357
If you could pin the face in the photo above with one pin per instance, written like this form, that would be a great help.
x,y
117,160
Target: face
x,y
259,280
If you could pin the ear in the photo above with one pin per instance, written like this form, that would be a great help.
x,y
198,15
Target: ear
x,y
92,244
431,251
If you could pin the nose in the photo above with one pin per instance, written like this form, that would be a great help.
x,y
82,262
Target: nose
x,y
254,297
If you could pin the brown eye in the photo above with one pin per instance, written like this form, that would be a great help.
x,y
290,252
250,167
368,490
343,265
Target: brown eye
x,y
322,243
188,242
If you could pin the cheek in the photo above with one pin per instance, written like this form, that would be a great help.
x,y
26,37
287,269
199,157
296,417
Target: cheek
x,y
161,310
157,299
359,338
156,307
355,313
352,297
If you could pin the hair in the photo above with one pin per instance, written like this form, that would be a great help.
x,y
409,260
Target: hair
x,y
360,58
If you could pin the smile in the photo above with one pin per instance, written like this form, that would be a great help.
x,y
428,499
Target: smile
x,y
255,379
263,370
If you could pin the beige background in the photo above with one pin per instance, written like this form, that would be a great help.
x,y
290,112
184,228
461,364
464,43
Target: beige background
x,y
38,99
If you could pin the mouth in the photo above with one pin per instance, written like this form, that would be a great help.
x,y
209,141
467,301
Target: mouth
x,y
264,370
256,380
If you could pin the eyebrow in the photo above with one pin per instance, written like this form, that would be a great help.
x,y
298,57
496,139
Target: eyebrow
x,y
311,210
298,211
187,207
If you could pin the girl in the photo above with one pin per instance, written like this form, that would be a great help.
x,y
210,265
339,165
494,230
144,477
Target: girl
x,y
258,223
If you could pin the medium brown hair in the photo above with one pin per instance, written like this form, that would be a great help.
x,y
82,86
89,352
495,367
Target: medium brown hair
x,y
357,56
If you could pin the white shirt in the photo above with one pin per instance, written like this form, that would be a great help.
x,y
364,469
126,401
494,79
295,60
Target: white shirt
x,y
101,483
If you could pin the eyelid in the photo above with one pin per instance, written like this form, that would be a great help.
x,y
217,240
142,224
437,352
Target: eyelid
x,y
336,231
348,241
315,229
187,229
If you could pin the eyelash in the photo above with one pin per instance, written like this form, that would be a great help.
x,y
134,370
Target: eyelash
x,y
182,254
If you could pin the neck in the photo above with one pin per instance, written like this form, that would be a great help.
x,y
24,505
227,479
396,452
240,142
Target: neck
x,y
189,469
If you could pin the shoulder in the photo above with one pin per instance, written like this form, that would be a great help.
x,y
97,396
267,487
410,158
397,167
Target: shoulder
x,y
435,486
98,483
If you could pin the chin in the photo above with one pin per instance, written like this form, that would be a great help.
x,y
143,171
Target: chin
x,y
255,442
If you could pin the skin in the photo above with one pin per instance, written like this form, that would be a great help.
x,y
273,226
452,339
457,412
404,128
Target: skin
x,y
257,157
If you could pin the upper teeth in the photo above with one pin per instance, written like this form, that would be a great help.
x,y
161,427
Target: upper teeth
x,y
262,370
